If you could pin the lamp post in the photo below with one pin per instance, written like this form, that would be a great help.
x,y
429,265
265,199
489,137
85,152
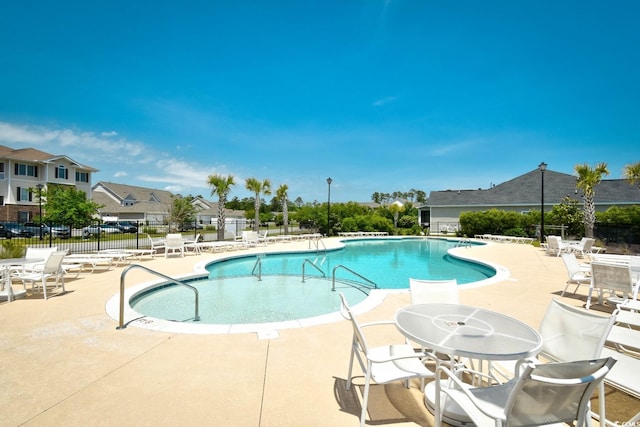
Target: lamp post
x,y
39,187
543,167
329,181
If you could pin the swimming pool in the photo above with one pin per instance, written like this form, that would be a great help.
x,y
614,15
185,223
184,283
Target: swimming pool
x,y
268,288
389,263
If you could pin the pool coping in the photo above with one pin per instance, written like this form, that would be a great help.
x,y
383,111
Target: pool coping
x,y
268,330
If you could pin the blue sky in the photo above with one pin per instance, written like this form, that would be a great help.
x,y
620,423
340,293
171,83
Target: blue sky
x,y
378,95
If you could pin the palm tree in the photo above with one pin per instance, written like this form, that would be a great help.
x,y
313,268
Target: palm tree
x,y
281,194
588,178
395,208
632,173
221,186
258,187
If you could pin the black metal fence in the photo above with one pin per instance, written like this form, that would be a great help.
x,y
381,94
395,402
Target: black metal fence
x,y
97,236
613,234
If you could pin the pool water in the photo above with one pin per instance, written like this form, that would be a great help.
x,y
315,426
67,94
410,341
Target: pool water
x,y
234,293
243,299
389,263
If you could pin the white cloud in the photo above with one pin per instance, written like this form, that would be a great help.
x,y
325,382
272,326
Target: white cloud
x,y
384,101
78,145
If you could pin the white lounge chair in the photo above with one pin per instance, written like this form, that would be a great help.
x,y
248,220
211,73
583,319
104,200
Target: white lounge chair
x,y
615,280
542,394
581,248
625,375
383,364
554,245
577,275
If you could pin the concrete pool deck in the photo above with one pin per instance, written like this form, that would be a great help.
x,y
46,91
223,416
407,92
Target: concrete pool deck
x,y
63,362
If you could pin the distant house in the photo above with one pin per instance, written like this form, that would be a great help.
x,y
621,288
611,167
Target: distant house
x,y
130,203
521,194
121,202
24,172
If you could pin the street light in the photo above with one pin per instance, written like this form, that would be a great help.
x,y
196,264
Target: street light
x,y
39,187
543,167
329,181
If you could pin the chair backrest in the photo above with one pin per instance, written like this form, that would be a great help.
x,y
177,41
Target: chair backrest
x,y
358,336
572,333
615,277
587,243
174,240
39,253
553,242
53,265
634,265
555,392
434,291
249,236
571,263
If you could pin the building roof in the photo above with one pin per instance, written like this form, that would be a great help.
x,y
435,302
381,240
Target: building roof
x,y
123,198
34,155
526,190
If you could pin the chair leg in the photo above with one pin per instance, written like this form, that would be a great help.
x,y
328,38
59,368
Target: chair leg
x,y
349,377
365,399
44,287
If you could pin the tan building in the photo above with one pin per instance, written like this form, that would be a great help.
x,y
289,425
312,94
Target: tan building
x,y
121,202
25,171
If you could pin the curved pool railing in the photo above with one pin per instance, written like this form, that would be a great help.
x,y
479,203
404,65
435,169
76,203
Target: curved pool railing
x,y
313,264
170,279
369,285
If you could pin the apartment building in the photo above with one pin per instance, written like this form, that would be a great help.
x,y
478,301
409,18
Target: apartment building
x,y
26,171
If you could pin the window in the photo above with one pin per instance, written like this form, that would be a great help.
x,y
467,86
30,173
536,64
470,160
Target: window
x,y
82,176
128,201
26,170
1,170
24,194
62,172
23,216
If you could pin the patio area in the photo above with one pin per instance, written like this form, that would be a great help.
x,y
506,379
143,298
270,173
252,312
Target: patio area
x,y
65,363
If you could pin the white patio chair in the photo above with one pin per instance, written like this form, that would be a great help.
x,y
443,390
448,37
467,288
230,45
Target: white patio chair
x,y
568,333
554,245
173,244
577,275
52,269
39,255
383,364
425,291
250,238
542,394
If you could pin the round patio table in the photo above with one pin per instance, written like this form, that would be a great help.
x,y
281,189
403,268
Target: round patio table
x,y
465,331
